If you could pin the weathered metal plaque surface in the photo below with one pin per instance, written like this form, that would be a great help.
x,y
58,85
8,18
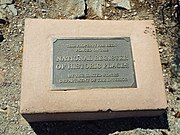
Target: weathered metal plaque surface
x,y
81,63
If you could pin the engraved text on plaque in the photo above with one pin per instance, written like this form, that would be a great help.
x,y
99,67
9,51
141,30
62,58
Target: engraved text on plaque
x,y
80,63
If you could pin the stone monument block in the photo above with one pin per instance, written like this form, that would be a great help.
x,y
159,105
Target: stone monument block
x,y
90,69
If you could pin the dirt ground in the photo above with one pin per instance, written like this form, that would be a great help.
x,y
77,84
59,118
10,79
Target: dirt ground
x,y
11,48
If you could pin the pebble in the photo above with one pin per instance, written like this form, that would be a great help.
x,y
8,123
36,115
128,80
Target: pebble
x,y
122,4
38,1
161,50
2,2
107,5
177,114
68,9
105,17
13,9
175,69
96,6
135,13
41,1
2,16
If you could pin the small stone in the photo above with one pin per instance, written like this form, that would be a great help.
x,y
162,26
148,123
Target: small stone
x,y
26,1
177,115
163,133
107,5
96,6
141,0
122,4
2,13
44,10
173,113
165,48
135,13
41,1
2,2
105,17
161,50
71,8
3,6
12,9
20,42
175,69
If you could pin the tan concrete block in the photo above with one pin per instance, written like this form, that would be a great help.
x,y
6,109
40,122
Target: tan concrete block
x,y
40,103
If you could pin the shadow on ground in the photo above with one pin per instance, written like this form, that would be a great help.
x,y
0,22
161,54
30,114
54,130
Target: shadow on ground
x,y
176,61
99,127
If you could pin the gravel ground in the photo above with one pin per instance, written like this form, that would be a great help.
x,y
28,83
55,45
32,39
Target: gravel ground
x,y
11,48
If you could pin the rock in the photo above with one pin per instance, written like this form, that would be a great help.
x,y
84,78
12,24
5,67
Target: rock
x,y
96,6
177,115
38,1
71,8
2,2
108,5
12,9
135,13
3,6
175,69
161,50
122,4
2,13
26,1
105,17
1,77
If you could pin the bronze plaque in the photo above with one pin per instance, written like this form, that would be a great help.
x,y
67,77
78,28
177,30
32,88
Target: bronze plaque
x,y
81,63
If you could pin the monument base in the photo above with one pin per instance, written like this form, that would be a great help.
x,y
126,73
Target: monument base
x,y
133,87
